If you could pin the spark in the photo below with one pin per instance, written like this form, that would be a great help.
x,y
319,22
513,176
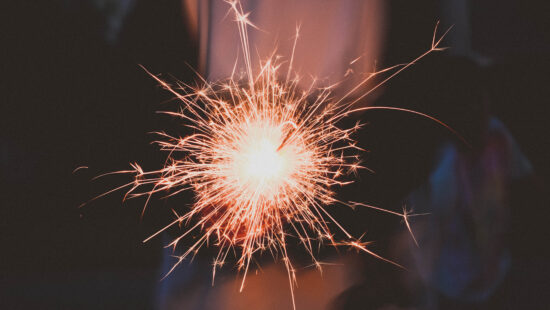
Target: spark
x,y
264,161
79,168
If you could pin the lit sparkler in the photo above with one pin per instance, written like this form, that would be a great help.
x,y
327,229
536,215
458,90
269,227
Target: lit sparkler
x,y
263,161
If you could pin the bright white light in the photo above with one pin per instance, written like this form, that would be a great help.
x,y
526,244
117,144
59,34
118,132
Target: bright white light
x,y
257,164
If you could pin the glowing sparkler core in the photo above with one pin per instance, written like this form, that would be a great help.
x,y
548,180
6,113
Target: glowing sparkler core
x,y
259,166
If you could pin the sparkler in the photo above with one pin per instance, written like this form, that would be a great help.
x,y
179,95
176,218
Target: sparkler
x,y
263,160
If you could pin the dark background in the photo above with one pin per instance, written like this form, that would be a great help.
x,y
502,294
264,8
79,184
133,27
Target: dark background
x,y
71,98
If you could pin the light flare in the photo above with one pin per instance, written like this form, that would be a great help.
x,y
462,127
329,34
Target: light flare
x,y
259,165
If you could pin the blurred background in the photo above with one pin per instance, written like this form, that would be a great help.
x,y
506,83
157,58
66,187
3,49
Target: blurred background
x,y
73,95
